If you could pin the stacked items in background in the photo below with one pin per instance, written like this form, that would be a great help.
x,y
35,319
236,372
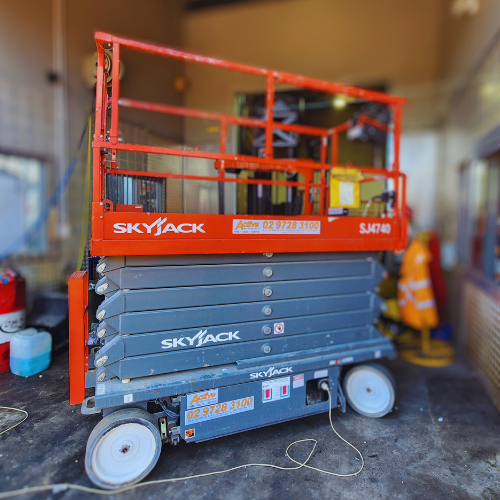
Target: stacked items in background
x,y
12,312
23,351
416,320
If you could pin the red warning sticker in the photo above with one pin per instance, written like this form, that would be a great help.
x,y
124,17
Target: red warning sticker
x,y
298,381
279,328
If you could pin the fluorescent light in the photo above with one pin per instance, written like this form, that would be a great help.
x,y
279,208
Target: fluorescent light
x,y
339,102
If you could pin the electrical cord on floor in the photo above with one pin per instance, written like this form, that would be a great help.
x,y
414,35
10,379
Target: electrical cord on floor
x,y
68,486
18,423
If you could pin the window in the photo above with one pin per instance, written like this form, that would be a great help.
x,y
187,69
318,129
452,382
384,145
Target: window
x,y
479,225
22,198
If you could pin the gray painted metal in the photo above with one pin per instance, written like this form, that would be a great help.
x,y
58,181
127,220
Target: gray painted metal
x,y
175,276
173,325
294,325
112,392
152,299
170,319
292,405
142,366
245,331
117,262
122,346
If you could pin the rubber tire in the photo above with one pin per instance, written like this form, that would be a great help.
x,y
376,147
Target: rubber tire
x,y
125,416
382,373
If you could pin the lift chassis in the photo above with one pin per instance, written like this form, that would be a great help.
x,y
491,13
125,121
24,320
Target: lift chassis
x,y
198,325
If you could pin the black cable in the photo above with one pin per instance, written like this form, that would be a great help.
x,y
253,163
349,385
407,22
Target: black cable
x,y
168,412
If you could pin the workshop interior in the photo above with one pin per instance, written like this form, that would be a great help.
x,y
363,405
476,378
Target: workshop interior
x,y
250,249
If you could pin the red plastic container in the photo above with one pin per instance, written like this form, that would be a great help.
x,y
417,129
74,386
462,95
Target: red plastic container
x,y
12,315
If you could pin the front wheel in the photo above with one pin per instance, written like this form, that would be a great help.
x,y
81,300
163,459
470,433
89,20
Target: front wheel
x,y
122,449
370,390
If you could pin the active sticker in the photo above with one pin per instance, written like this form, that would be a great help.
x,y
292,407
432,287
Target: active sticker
x,y
245,226
189,433
205,398
275,389
298,381
217,411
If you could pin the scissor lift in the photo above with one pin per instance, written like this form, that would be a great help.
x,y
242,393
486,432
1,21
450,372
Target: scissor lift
x,y
216,323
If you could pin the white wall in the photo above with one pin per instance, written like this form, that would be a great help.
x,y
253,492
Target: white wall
x,y
419,161
26,105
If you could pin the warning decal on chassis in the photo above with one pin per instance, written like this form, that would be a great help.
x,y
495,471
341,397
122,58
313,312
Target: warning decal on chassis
x,y
279,328
275,389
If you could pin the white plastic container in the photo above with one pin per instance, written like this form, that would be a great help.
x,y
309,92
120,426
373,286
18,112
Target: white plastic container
x,y
30,352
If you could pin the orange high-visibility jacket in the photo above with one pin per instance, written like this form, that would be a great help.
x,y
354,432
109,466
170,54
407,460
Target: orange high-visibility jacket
x,y
415,293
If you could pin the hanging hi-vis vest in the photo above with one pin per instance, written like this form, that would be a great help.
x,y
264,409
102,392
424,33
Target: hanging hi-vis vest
x,y
415,293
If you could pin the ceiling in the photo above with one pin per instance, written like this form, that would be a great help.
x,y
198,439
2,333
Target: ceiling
x,y
191,5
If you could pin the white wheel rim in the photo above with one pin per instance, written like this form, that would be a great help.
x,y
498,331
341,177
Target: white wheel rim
x,y
370,391
123,453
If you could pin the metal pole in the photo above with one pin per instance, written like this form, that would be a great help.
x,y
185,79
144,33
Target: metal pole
x,y
268,145
222,147
184,194
60,108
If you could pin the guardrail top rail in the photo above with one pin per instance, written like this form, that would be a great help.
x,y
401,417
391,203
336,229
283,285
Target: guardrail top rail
x,y
131,232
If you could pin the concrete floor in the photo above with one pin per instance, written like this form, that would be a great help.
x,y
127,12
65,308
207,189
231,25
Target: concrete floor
x,y
410,453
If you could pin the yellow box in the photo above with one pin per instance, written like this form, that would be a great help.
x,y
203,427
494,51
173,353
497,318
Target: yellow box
x,y
345,187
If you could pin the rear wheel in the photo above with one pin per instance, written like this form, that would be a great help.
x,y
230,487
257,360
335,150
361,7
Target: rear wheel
x,y
370,389
122,449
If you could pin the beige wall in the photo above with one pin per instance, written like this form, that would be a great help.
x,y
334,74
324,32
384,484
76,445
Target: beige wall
x,y
146,77
26,95
357,41
26,58
470,69
361,42
467,38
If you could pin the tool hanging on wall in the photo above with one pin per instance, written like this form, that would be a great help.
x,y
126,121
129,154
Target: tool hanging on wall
x,y
89,68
